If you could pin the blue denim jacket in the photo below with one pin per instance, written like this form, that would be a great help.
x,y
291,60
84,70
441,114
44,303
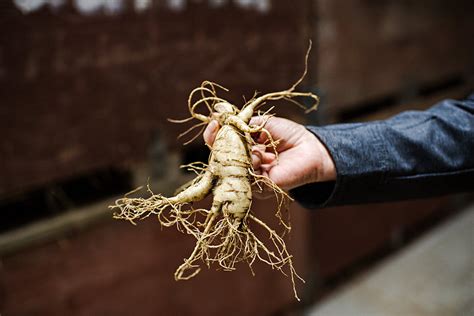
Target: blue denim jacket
x,y
414,154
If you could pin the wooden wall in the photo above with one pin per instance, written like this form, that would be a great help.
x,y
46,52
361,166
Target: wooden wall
x,y
376,59
85,91
371,50
82,92
119,269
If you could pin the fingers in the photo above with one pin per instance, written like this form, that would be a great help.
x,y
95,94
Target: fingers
x,y
212,128
260,157
257,121
285,132
210,132
276,128
262,163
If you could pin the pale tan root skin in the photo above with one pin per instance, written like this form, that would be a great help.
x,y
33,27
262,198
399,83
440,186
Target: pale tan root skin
x,y
223,233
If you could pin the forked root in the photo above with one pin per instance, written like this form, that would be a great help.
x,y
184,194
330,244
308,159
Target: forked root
x,y
222,238
227,242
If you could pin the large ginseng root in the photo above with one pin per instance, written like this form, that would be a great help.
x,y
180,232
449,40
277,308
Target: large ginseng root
x,y
225,233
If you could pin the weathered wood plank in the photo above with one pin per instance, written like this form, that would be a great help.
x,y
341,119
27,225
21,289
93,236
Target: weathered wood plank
x,y
369,49
81,92
343,235
120,269
418,104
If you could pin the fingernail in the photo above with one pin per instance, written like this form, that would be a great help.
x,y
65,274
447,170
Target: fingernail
x,y
213,126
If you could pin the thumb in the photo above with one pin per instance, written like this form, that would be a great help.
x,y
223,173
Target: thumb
x,y
210,132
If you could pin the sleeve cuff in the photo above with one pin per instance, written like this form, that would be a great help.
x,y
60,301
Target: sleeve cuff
x,y
360,158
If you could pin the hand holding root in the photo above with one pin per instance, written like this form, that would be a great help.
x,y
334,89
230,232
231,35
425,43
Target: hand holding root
x,y
300,156
225,233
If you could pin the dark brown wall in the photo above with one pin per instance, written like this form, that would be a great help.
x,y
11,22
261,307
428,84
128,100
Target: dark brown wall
x,y
83,92
374,49
120,269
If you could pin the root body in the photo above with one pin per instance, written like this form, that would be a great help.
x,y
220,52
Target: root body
x,y
224,234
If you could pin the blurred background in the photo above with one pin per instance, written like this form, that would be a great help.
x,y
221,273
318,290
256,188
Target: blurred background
x,y
86,87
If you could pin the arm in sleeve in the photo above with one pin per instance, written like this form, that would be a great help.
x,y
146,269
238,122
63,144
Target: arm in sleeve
x,y
415,154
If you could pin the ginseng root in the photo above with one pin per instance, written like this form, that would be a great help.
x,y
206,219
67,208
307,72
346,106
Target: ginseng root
x,y
225,233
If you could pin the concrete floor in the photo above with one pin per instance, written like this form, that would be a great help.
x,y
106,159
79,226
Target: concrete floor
x,y
433,276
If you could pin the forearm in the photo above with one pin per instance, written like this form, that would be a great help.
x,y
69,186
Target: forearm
x,y
412,155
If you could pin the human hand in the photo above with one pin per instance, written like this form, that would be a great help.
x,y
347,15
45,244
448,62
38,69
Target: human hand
x,y
302,158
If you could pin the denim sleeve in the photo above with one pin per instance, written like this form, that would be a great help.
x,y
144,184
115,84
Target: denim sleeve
x,y
415,154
